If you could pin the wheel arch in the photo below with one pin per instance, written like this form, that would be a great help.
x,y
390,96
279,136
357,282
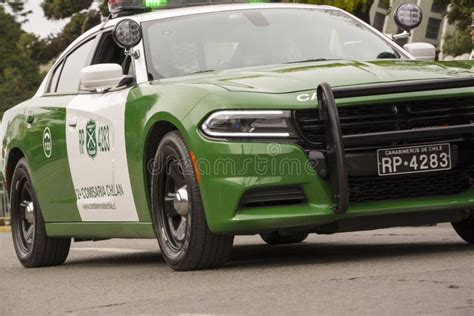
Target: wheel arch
x,y
14,156
158,129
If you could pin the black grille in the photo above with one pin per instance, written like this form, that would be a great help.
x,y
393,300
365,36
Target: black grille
x,y
421,185
362,119
273,197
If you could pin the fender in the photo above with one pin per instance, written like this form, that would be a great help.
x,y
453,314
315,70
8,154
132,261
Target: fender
x,y
143,111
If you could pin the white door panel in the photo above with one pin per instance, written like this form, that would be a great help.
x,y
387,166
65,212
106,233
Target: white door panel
x,y
97,156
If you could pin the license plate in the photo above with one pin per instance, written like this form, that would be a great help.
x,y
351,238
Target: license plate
x,y
414,159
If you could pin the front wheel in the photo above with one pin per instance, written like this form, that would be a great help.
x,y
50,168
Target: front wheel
x,y
33,247
185,240
465,229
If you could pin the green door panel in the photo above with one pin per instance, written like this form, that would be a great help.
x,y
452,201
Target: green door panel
x,y
51,176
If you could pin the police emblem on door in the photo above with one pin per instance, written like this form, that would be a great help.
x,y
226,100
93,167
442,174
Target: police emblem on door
x,y
47,142
91,139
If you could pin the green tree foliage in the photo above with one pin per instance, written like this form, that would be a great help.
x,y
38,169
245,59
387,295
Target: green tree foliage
x,y
104,8
17,7
19,71
60,9
79,23
459,42
22,53
361,8
459,13
82,19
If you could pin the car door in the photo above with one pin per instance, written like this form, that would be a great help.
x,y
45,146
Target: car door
x,y
46,143
95,140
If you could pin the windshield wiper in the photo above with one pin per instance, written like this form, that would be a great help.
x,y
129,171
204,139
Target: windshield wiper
x,y
309,60
201,71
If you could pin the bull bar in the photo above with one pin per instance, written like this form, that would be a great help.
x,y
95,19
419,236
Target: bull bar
x,y
335,140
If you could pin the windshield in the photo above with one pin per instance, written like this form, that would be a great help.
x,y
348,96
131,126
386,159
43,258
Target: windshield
x,y
257,37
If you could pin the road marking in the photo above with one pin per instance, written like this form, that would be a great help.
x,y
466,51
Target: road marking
x,y
114,250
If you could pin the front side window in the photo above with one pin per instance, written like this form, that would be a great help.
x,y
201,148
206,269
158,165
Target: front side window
x,y
53,85
108,52
257,37
70,74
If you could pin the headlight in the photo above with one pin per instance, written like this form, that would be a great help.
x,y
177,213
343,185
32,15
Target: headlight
x,y
249,124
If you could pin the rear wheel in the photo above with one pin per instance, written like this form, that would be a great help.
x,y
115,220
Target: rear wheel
x,y
465,229
33,247
276,238
180,223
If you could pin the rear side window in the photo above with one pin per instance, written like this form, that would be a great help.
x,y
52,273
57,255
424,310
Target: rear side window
x,y
70,74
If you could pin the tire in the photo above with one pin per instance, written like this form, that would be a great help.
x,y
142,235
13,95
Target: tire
x,y
32,246
276,238
181,228
465,229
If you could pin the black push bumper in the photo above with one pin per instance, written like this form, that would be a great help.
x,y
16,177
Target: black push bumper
x,y
335,141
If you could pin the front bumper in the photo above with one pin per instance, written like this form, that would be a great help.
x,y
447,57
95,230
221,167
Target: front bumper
x,y
231,169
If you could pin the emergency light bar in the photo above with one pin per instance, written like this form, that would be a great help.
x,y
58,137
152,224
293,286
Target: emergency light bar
x,y
118,6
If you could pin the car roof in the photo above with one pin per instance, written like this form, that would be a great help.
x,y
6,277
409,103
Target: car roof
x,y
184,11
191,10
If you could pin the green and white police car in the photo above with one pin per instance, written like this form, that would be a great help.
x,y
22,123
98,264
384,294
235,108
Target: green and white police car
x,y
195,124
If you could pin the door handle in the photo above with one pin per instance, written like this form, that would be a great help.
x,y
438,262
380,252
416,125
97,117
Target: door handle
x,y
72,122
30,118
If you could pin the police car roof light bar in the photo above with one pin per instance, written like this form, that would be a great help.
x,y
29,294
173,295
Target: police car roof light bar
x,y
128,7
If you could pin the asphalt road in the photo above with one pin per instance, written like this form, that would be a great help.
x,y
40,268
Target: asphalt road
x,y
388,272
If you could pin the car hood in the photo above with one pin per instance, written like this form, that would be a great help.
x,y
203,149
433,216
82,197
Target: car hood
x,y
305,76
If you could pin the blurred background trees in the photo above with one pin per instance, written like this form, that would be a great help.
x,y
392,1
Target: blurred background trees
x,y
19,72
82,18
360,8
459,14
22,53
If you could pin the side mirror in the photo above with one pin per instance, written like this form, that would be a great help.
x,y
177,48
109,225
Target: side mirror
x,y
101,77
421,51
